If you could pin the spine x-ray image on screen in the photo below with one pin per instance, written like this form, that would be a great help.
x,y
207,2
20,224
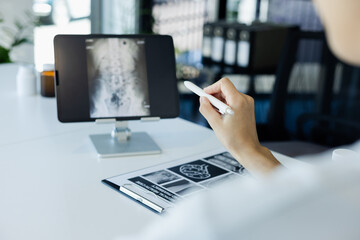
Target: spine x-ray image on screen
x,y
117,77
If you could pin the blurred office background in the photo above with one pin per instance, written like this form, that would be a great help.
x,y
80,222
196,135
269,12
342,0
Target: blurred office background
x,y
273,50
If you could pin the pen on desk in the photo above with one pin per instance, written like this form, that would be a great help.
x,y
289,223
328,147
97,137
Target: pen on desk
x,y
141,199
222,107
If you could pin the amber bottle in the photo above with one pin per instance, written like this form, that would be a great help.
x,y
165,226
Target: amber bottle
x,y
48,81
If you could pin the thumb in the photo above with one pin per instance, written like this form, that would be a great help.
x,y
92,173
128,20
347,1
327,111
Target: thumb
x,y
208,111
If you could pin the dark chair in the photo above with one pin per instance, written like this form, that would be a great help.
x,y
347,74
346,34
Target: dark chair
x,y
320,128
274,129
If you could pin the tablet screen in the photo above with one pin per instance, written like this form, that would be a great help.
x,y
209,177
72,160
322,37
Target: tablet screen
x,y
115,76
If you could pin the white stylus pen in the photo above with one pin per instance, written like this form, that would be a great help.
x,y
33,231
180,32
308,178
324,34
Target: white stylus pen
x,y
223,108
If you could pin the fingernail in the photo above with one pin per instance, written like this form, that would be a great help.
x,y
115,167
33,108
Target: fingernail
x,y
201,99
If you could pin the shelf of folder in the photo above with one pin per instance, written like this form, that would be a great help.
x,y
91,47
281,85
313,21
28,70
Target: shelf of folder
x,y
244,49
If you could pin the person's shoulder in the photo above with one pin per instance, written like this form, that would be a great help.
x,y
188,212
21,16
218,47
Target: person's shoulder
x,y
356,147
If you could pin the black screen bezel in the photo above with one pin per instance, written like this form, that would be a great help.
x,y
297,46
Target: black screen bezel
x,y
71,76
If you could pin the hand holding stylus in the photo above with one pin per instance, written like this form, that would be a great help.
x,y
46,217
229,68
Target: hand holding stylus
x,y
237,132
221,106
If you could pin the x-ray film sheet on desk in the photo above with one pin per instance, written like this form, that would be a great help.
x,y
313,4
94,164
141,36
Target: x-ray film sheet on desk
x,y
161,186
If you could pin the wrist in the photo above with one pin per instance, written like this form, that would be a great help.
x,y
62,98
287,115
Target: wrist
x,y
257,159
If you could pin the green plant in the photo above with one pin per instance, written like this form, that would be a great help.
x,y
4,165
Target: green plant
x,y
12,37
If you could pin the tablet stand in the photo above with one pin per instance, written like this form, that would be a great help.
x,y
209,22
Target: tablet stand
x,y
121,142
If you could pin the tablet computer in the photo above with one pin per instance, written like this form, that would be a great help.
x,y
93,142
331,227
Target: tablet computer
x,y
123,77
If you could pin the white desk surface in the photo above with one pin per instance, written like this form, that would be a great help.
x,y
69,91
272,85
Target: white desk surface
x,y
50,176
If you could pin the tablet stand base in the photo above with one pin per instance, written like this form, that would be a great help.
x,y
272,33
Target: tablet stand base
x,y
121,142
